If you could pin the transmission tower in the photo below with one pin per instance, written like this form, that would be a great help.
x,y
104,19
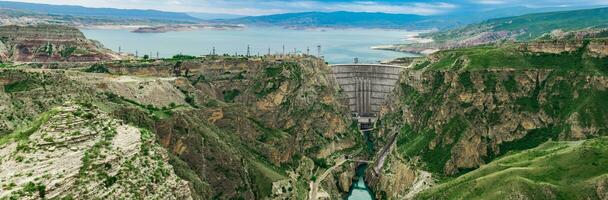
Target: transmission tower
x,y
318,50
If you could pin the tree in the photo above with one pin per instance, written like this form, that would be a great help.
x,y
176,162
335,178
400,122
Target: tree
x,y
177,68
146,57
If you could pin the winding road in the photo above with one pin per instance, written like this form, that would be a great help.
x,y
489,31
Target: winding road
x,y
314,185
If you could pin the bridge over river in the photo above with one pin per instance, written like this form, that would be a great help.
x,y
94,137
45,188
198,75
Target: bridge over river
x,y
366,87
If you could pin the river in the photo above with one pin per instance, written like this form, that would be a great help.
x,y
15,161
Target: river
x,y
359,190
337,45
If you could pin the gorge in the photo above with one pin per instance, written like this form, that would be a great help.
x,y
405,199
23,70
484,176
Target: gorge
x,y
505,121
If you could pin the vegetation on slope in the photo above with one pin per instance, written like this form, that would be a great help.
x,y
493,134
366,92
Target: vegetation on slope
x,y
589,23
515,56
566,96
253,122
532,25
554,170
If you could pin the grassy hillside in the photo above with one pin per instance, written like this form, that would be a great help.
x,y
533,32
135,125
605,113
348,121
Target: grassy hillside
x,y
533,25
554,170
517,57
588,23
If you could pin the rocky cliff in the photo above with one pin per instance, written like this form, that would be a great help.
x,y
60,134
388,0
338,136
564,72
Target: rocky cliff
x,y
77,151
458,111
49,43
595,47
251,128
279,120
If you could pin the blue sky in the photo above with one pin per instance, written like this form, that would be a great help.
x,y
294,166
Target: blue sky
x,y
262,7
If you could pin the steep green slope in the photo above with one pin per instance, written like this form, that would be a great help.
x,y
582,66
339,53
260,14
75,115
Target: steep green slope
x,y
589,23
460,109
554,170
532,26
570,55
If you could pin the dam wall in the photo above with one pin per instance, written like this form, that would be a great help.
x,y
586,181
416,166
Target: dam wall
x,y
366,85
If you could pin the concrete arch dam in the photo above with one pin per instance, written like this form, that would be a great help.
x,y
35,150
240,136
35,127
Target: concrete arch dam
x,y
366,86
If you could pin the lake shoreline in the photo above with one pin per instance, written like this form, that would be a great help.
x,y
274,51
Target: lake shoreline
x,y
336,46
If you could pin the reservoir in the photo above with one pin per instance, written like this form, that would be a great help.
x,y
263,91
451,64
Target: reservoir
x,y
337,45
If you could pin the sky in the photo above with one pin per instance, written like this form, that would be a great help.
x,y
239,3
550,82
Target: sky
x,y
264,7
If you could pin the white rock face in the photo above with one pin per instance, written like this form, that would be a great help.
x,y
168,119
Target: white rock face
x,y
82,153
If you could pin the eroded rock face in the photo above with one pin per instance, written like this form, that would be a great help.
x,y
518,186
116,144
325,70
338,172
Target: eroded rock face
x,y
555,47
595,47
80,152
450,122
394,181
219,140
49,43
598,48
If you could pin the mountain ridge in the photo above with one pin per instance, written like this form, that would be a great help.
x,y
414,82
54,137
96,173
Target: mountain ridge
x,y
98,12
329,19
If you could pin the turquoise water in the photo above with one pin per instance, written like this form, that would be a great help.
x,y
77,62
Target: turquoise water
x,y
359,190
338,46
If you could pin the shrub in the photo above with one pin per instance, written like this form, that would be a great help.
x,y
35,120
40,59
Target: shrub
x,y
230,95
183,57
97,68
20,86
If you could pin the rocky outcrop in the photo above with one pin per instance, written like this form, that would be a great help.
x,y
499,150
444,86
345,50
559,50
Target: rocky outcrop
x,y
554,47
234,127
50,43
598,48
594,47
394,181
3,51
77,151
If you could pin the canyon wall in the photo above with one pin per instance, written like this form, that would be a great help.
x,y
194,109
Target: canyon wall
x,y
234,128
49,43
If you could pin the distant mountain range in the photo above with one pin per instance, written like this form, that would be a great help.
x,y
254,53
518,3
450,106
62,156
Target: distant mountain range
x,y
100,12
331,19
343,19
71,15
214,16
